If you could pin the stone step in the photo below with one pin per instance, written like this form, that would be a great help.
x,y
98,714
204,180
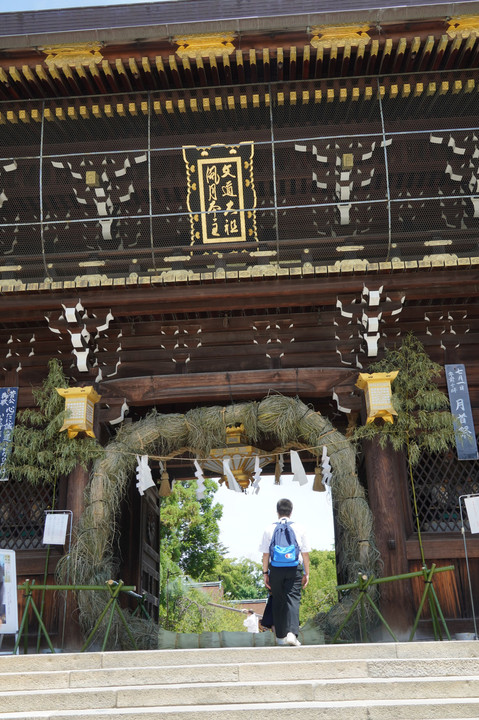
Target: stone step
x,y
400,681
238,672
164,658
445,709
216,693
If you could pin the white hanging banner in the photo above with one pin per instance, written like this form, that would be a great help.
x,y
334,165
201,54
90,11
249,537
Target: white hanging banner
x,y
472,508
297,468
8,593
55,529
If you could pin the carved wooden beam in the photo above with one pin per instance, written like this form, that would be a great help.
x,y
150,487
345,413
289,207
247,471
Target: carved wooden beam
x,y
448,283
221,386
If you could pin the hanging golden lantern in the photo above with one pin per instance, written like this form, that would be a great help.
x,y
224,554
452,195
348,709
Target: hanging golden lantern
x,y
79,402
241,457
378,395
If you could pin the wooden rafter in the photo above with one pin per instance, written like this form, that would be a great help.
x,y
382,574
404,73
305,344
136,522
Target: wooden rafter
x,y
401,53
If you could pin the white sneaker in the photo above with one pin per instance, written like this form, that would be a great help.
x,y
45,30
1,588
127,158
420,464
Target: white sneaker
x,y
281,641
291,639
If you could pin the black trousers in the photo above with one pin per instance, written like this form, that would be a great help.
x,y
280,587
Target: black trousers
x,y
286,591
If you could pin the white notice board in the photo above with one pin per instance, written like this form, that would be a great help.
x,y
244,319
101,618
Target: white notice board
x,y
8,593
55,530
472,507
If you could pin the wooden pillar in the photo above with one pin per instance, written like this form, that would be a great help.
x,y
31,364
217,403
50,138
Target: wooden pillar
x,y
388,499
76,485
75,501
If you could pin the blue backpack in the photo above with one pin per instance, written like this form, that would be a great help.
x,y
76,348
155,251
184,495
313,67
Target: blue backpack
x,y
284,549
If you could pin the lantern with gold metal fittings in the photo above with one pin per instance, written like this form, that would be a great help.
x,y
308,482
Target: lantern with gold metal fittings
x,y
79,402
242,458
378,394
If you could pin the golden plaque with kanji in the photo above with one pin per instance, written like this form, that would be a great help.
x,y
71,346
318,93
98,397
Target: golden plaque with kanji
x,y
221,193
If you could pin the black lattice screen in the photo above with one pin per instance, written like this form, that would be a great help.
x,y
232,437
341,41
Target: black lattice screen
x,y
22,515
439,482
371,171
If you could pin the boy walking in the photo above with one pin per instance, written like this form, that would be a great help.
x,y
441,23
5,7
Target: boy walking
x,y
286,581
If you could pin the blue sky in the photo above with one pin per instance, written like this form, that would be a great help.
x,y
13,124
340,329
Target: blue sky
x,y
20,5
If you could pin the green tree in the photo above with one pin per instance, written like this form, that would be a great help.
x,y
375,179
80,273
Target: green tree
x,y
41,453
423,421
320,594
190,611
242,579
189,529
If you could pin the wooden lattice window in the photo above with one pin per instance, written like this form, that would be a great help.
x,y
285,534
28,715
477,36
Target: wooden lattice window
x,y
440,480
22,515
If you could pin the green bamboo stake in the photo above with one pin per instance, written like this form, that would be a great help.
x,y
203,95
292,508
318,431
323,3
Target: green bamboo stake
x,y
27,588
117,607
363,585
348,616
141,607
111,605
24,624
428,589
100,619
108,626
362,595
382,619
45,572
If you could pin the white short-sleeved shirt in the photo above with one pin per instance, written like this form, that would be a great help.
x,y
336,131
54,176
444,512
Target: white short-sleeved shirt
x,y
299,531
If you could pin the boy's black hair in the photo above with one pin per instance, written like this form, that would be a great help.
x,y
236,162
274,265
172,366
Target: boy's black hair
x,y
284,507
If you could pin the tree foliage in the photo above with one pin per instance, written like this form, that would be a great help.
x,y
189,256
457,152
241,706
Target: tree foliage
x,y
189,529
320,594
424,421
41,453
187,610
242,578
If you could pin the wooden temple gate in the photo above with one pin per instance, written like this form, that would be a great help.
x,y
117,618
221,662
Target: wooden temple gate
x,y
199,217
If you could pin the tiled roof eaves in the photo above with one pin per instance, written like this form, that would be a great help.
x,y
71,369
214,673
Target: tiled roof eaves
x,y
145,21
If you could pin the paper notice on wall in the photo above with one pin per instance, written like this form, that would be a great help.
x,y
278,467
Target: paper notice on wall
x,y
55,530
8,593
472,508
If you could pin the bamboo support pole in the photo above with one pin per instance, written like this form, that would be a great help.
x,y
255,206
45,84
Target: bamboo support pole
x,y
364,583
113,587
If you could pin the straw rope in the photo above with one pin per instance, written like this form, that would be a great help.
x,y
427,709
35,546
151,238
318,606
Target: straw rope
x,y
276,418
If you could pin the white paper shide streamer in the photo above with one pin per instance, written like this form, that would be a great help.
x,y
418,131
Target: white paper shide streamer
x,y
143,474
326,469
299,474
256,475
280,468
228,473
200,489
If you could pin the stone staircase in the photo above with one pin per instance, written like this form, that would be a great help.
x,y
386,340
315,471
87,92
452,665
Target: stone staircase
x,y
404,681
